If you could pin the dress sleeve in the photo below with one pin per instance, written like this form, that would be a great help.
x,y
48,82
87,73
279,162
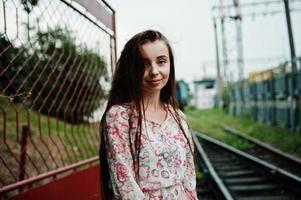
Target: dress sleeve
x,y
189,181
119,156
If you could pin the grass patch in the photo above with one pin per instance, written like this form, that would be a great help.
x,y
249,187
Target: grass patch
x,y
209,121
51,144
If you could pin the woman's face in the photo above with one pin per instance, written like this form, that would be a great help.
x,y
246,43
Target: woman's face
x,y
157,66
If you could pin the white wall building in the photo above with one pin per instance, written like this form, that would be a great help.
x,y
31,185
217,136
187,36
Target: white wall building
x,y
205,91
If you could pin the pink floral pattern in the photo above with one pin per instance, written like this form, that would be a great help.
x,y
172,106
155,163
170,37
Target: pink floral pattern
x,y
166,163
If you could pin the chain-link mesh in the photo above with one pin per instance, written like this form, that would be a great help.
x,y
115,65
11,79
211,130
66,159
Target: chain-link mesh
x,y
56,61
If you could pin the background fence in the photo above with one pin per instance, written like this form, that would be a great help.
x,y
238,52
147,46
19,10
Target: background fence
x,y
57,58
272,96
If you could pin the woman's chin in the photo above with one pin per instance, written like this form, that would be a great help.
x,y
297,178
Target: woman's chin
x,y
151,90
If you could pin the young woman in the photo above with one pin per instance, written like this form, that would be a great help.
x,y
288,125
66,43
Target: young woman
x,y
146,149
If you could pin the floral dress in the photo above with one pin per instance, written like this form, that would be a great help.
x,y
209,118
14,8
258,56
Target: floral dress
x,y
166,169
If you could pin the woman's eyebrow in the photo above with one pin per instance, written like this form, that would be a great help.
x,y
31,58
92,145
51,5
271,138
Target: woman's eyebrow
x,y
162,56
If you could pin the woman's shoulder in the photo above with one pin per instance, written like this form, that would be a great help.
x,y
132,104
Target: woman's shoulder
x,y
177,110
117,110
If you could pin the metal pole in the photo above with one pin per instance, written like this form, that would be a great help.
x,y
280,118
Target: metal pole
x,y
239,42
293,98
290,34
22,167
238,21
224,42
219,80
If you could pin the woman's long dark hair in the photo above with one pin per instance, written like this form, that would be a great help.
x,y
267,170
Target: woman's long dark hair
x,y
127,88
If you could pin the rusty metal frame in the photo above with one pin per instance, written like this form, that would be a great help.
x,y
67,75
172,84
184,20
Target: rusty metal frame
x,y
55,139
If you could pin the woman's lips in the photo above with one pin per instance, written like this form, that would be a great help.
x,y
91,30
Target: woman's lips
x,y
154,82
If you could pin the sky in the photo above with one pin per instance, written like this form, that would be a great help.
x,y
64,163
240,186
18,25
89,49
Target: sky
x,y
189,28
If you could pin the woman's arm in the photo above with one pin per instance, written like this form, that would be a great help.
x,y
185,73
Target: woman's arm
x,y
119,156
189,181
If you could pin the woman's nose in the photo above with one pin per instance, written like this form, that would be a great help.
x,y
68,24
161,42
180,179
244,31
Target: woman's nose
x,y
154,70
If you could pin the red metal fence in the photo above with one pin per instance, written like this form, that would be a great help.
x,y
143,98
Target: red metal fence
x,y
57,58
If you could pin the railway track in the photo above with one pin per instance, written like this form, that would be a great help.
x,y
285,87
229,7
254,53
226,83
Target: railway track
x,y
233,174
268,153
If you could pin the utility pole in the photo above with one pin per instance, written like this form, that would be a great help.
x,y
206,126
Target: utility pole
x,y
224,41
290,34
239,43
219,79
293,98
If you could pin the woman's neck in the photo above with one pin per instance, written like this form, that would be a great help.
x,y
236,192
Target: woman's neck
x,y
152,102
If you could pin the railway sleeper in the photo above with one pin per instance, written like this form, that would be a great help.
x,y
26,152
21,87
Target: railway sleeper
x,y
245,180
238,173
282,197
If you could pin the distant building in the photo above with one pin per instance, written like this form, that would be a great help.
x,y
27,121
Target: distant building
x,y
204,94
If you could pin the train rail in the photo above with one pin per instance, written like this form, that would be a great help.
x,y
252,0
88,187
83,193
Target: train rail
x,y
268,153
238,175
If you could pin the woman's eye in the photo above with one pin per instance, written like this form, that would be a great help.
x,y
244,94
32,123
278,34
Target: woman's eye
x,y
161,62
